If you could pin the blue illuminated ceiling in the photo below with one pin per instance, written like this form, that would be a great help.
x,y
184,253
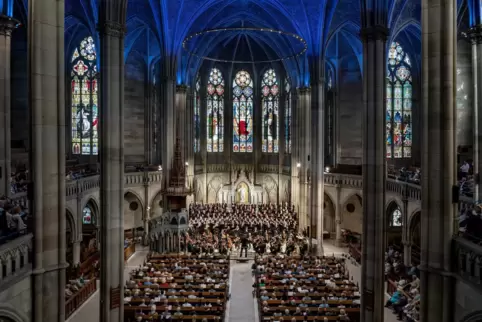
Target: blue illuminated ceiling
x,y
157,28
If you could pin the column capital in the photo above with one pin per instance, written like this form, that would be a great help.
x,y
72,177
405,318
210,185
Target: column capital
x,y
181,89
7,25
303,90
474,34
112,28
376,32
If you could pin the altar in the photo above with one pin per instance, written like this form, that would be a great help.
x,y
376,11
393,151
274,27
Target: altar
x,y
242,191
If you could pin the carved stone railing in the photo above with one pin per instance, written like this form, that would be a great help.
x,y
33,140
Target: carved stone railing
x,y
214,168
404,189
15,257
468,261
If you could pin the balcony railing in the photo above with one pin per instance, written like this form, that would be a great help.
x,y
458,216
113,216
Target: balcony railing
x,y
468,261
404,189
15,257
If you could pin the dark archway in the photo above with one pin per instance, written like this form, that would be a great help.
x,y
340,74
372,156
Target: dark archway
x,y
89,245
394,224
70,237
415,238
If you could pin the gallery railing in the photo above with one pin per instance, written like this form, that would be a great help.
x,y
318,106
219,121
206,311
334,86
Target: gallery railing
x,y
467,260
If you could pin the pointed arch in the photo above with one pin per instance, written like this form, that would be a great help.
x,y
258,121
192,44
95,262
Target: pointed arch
x,y
394,214
90,212
288,115
71,226
197,115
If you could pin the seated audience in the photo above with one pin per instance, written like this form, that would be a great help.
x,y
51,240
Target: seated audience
x,y
178,286
305,288
12,220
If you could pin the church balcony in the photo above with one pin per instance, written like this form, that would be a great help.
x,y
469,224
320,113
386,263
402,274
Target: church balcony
x,y
16,260
467,263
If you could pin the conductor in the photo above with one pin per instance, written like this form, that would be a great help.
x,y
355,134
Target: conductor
x,y
244,245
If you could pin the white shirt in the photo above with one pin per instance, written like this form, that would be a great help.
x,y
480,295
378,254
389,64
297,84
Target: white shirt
x,y
465,168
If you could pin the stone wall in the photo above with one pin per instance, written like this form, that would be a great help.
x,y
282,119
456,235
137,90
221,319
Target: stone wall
x,y
467,300
18,297
135,102
464,94
350,111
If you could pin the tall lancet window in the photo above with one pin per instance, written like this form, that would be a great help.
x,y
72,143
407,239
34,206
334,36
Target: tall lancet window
x,y
287,117
270,102
215,111
197,116
399,103
84,91
242,112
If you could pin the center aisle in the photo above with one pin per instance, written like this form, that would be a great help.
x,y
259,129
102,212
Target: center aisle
x,y
242,304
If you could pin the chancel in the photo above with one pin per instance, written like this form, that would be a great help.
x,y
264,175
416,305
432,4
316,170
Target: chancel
x,y
238,161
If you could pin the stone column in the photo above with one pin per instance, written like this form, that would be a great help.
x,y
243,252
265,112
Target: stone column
x,y
76,252
475,36
338,206
190,138
405,230
112,170
295,157
374,174
47,139
304,117
7,25
168,90
317,150
439,156
181,95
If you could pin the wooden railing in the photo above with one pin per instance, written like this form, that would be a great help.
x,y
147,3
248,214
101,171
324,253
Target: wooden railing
x,y
355,252
129,251
80,297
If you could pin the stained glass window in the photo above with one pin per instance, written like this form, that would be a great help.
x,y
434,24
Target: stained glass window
x,y
288,117
215,111
242,112
270,103
197,116
396,218
399,104
87,216
84,91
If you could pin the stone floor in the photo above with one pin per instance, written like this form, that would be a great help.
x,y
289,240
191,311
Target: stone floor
x,y
242,307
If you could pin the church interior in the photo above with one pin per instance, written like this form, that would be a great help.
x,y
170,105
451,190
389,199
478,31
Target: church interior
x,y
238,161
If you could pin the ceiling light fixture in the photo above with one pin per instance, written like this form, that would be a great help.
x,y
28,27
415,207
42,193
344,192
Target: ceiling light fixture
x,y
297,38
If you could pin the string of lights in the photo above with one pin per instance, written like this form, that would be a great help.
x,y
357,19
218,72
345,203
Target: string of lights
x,y
240,30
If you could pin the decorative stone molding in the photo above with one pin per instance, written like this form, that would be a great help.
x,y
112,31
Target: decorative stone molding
x,y
474,35
181,89
112,28
269,168
11,252
468,263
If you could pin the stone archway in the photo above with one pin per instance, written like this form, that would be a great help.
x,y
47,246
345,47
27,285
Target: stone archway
x,y
70,237
352,214
473,317
414,237
133,215
329,224
394,217
90,223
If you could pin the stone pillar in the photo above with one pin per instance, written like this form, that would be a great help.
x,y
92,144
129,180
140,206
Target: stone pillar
x,y
304,130
438,144
7,25
47,139
181,95
112,170
295,157
190,139
374,174
475,36
317,150
405,230
76,252
168,89
338,206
